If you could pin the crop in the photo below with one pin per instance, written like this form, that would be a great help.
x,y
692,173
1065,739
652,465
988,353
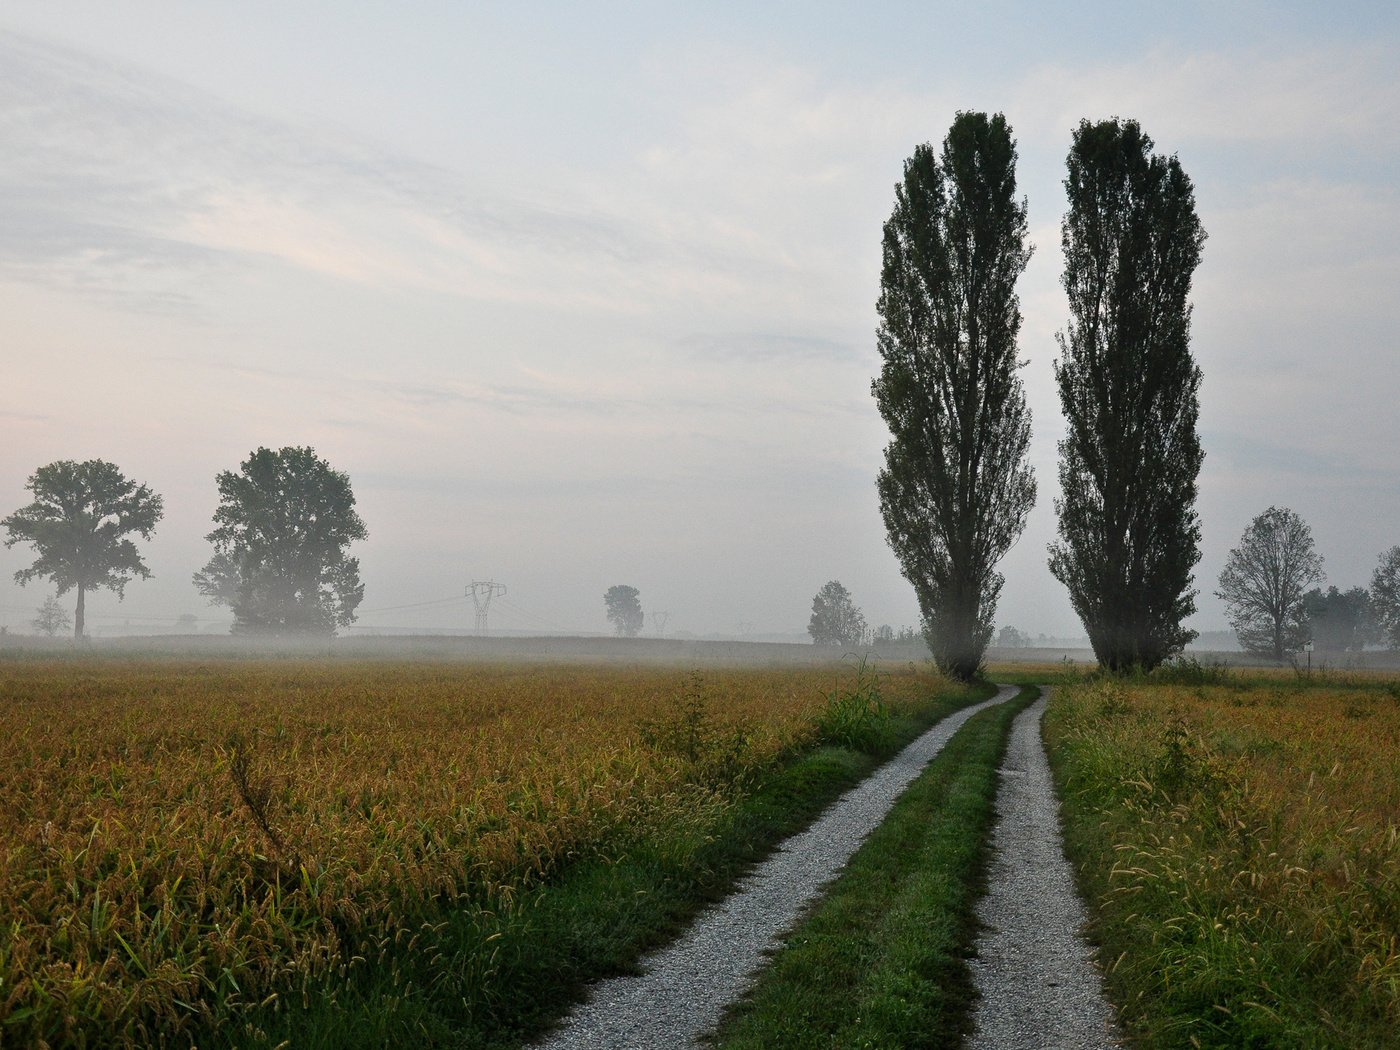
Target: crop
x,y
1239,840
182,840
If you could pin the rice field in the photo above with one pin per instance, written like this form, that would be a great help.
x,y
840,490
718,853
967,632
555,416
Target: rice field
x,y
184,840
1239,836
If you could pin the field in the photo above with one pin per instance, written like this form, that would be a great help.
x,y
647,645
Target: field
x,y
265,852
186,841
1237,834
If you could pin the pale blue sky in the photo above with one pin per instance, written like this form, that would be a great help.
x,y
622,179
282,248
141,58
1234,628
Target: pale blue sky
x,y
584,294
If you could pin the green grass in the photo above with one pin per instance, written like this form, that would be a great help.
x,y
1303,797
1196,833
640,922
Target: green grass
x,y
496,978
1237,844
881,962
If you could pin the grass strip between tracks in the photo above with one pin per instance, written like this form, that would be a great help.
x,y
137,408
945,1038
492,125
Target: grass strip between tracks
x,y
881,962
497,978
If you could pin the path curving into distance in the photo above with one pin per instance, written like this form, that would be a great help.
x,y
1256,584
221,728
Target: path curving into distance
x,y
1039,989
684,988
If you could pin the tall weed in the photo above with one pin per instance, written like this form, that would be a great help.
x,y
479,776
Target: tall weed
x,y
855,714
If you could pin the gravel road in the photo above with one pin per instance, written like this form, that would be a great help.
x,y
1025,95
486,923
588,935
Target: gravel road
x,y
1039,989
683,988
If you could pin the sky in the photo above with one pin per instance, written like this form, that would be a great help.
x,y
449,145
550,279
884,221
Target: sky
x,y
581,295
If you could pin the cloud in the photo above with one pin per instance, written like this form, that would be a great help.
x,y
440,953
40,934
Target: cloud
x,y
1309,99
112,175
767,347
24,417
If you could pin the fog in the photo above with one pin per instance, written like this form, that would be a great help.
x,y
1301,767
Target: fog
x,y
579,300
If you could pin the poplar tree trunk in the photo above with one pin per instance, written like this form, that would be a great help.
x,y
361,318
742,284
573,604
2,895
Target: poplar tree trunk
x,y
78,614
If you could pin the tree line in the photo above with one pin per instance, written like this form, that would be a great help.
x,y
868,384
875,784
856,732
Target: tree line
x,y
283,524
956,488
1265,588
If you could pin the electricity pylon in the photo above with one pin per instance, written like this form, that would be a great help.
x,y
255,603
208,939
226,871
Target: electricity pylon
x,y
658,623
481,592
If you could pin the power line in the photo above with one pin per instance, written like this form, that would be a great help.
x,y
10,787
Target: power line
x,y
531,616
411,605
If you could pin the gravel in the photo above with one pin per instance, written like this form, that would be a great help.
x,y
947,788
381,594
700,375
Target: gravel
x,y
683,989
1038,986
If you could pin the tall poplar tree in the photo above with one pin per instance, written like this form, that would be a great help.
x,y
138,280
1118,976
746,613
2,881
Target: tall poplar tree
x,y
956,487
1128,386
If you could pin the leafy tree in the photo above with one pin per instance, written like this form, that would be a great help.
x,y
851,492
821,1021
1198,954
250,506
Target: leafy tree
x,y
884,633
624,606
1339,621
1385,597
79,522
284,522
1128,386
52,618
1264,581
835,618
956,487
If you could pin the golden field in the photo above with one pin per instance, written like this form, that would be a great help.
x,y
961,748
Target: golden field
x,y
179,837
1240,836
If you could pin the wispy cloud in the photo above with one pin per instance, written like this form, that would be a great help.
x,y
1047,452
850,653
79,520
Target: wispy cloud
x,y
767,347
1312,100
110,172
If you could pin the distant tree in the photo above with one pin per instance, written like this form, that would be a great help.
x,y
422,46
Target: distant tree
x,y
52,618
1011,638
78,523
624,606
884,633
284,522
835,618
187,623
1339,621
1264,581
1385,597
1128,387
956,487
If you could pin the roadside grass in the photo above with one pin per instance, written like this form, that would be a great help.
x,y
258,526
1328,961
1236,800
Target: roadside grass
x,y
881,961
1235,834
396,853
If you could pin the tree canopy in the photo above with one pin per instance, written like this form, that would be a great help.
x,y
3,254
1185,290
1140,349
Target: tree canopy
x,y
1264,581
1385,597
835,618
1129,532
80,523
284,520
624,609
1339,621
956,487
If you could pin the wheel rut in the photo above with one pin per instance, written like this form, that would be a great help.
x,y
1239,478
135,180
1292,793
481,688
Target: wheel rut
x,y
1034,973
